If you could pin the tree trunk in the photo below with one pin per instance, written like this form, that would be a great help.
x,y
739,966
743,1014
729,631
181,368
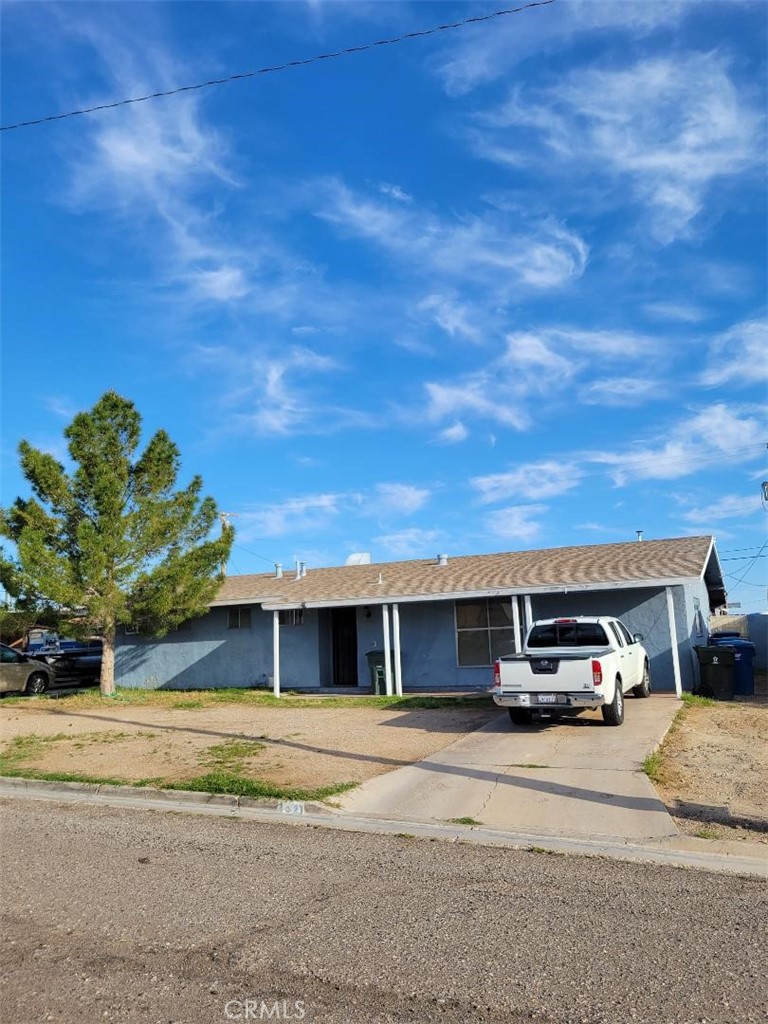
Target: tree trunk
x,y
107,680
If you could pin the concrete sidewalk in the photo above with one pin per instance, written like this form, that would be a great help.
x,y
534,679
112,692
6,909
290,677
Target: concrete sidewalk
x,y
576,778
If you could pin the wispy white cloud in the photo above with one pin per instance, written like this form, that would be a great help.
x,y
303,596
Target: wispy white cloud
x,y
454,434
399,498
475,58
291,517
670,127
456,318
279,395
729,506
623,391
395,192
482,249
538,365
739,356
704,439
413,542
516,522
681,312
544,479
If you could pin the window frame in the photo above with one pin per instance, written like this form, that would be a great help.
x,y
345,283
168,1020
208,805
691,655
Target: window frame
x,y
243,616
487,629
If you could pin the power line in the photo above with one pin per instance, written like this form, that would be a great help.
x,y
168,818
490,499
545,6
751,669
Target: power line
x,y
280,67
750,566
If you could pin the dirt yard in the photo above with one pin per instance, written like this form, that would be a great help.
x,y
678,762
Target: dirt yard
x,y
297,748
712,772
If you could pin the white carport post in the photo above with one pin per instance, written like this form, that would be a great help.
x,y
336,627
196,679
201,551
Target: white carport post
x,y
276,653
516,623
528,612
396,637
387,656
673,641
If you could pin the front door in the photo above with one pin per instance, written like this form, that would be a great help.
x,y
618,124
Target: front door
x,y
344,644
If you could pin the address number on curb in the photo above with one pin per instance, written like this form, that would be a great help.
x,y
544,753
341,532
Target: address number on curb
x,y
291,807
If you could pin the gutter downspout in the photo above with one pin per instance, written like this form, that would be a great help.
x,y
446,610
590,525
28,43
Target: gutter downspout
x,y
673,641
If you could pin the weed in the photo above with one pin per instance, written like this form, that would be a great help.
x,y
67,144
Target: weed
x,y
693,700
229,756
186,705
543,849
653,766
706,833
464,821
404,835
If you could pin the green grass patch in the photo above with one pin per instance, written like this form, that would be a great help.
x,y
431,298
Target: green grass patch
x,y
237,785
653,766
692,700
705,833
231,755
192,700
227,761
464,821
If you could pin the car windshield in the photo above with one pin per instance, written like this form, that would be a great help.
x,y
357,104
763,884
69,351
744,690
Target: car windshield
x,y
568,634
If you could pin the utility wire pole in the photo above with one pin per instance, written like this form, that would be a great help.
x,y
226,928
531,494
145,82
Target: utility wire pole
x,y
226,525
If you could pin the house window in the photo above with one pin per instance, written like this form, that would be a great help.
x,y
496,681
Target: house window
x,y
239,618
291,617
484,631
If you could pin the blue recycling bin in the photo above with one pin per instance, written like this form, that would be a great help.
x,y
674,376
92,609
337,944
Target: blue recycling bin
x,y
743,667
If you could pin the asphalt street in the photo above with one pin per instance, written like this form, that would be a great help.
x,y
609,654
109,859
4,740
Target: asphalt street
x,y
112,914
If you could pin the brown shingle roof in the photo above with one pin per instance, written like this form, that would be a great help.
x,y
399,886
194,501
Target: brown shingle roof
x,y
632,562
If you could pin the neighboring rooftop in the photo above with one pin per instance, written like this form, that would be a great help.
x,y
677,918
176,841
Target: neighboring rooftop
x,y
510,572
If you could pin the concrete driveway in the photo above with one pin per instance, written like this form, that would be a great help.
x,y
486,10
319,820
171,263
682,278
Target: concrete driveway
x,y
576,777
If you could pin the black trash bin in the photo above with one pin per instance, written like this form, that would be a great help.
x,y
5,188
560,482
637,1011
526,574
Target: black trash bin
x,y
717,672
375,661
743,668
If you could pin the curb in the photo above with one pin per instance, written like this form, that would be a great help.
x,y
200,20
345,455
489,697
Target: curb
x,y
666,852
113,794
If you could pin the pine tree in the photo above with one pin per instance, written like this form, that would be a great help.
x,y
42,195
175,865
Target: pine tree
x,y
112,542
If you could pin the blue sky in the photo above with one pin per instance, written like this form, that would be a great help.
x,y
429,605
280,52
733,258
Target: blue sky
x,y
493,289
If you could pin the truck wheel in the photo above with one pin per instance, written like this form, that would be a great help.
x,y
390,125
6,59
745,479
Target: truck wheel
x,y
644,689
613,713
520,716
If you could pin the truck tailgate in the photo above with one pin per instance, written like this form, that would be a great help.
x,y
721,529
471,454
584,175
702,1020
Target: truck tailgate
x,y
551,671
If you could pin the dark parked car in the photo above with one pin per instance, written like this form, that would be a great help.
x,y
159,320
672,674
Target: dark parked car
x,y
21,674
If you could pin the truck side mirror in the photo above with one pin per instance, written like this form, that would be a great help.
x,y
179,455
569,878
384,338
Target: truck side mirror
x,y
638,638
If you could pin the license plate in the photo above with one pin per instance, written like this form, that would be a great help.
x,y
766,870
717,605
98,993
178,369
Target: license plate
x,y
547,698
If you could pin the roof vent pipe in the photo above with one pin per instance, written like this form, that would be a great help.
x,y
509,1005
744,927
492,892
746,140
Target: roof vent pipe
x,y
302,569
639,534
298,569
442,559
278,570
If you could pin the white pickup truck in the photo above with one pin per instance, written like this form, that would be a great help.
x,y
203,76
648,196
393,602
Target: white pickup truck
x,y
567,665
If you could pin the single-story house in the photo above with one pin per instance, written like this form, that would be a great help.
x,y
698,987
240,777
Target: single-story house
x,y
437,624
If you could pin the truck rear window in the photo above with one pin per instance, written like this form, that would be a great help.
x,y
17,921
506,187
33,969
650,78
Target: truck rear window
x,y
572,634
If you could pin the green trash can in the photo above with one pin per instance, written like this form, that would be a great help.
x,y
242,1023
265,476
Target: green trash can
x,y
717,669
375,661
